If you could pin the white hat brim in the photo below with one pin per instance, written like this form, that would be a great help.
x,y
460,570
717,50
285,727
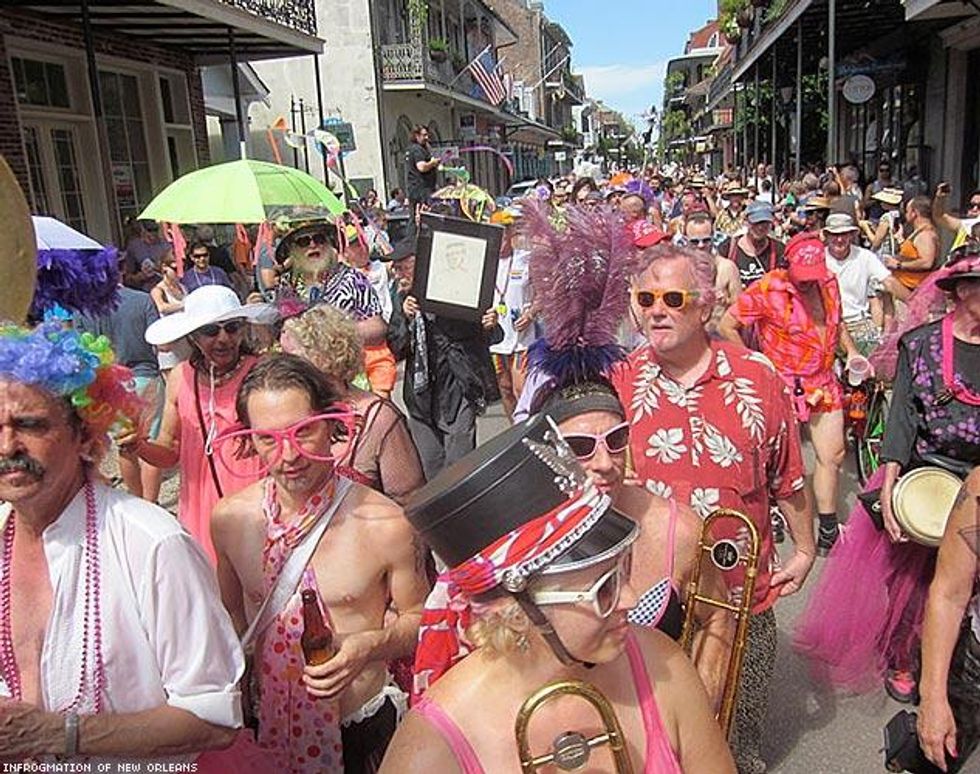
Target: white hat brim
x,y
176,326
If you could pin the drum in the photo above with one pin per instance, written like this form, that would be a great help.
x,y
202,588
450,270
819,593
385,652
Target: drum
x,y
922,500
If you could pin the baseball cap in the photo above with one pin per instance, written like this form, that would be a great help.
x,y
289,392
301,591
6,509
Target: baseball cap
x,y
807,258
645,234
759,212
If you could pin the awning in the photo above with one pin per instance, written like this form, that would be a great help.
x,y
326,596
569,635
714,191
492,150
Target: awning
x,y
263,29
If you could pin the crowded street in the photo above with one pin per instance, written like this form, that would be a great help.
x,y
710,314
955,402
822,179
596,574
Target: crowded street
x,y
490,386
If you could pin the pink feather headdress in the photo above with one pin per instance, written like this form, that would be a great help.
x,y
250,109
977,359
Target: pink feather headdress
x,y
580,279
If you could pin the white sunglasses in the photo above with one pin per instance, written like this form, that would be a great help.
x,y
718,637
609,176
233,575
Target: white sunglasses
x,y
603,595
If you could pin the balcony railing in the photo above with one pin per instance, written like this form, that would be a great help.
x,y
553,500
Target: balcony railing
x,y
410,63
299,15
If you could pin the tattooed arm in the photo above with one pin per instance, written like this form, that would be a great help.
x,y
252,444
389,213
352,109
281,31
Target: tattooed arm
x,y
949,594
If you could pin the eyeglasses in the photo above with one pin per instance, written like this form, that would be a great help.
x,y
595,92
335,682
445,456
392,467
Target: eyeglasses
x,y
312,438
584,445
318,238
200,255
673,299
698,242
210,331
603,595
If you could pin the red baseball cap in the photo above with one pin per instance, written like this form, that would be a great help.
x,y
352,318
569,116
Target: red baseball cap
x,y
645,234
807,259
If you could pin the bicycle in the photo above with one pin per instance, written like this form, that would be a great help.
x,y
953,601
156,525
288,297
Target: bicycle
x,y
865,414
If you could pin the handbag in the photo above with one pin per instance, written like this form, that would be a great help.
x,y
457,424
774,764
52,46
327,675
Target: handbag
x,y
902,750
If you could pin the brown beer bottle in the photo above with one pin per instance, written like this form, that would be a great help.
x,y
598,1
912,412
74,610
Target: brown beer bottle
x,y
317,639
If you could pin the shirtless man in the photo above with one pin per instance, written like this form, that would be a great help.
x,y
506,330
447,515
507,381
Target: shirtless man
x,y
699,233
366,559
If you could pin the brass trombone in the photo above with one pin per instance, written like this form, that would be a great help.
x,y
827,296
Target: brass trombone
x,y
571,750
726,556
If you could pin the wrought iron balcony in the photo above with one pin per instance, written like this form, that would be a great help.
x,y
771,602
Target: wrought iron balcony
x,y
299,15
411,63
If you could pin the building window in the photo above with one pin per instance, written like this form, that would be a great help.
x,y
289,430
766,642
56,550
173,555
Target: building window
x,y
127,142
42,84
35,170
66,164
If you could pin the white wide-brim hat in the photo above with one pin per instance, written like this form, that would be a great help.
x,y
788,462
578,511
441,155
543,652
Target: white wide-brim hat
x,y
204,306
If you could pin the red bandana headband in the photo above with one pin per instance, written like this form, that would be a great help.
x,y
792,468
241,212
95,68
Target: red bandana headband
x,y
508,561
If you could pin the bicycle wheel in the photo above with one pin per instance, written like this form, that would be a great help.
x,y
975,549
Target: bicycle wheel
x,y
868,446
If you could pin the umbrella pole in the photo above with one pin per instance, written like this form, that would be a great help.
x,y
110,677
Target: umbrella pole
x,y
236,86
319,106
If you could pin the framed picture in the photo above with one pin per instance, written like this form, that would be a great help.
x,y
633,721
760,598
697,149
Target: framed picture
x,y
456,266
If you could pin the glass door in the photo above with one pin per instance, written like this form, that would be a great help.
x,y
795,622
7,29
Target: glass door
x,y
54,171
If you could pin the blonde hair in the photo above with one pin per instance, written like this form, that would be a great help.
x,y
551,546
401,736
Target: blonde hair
x,y
329,340
500,629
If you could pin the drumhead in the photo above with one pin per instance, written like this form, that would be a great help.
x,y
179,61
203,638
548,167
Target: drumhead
x,y
922,501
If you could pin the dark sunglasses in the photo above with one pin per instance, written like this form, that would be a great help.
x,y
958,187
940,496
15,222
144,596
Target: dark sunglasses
x,y
673,299
698,241
200,255
231,328
975,204
319,238
584,446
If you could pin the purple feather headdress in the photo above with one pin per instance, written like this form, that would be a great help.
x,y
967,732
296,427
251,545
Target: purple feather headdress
x,y
580,278
84,281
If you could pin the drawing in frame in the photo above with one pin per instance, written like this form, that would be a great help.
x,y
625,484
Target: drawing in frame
x,y
456,266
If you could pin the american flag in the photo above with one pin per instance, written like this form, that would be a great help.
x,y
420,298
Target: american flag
x,y
484,71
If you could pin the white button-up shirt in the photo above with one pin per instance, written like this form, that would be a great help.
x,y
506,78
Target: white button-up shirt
x,y
166,638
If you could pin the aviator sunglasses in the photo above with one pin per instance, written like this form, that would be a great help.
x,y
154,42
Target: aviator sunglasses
x,y
673,299
585,445
603,595
210,331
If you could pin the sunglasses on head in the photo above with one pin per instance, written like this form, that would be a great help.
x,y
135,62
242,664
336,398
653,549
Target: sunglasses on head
x,y
317,238
673,299
231,328
585,445
603,595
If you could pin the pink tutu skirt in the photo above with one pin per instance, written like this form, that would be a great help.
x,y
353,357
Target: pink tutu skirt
x,y
865,614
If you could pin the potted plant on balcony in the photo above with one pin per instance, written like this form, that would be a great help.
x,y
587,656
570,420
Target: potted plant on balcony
x,y
459,61
438,50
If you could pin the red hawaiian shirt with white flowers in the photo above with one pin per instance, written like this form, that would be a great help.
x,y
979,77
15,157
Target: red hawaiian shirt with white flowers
x,y
728,441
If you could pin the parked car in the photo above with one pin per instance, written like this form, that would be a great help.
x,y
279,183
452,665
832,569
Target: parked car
x,y
517,190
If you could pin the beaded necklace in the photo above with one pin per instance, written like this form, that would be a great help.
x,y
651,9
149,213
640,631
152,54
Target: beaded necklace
x,y
92,615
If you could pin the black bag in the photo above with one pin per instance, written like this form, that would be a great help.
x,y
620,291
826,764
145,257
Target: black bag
x,y
902,751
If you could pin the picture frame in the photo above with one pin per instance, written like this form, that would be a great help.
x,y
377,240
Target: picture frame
x,y
456,266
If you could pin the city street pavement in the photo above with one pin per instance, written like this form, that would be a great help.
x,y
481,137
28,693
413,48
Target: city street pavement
x,y
809,732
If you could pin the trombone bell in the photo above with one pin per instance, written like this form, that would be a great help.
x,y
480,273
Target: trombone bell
x,y
571,750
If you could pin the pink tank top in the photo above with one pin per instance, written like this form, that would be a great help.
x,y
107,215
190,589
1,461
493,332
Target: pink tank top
x,y
659,755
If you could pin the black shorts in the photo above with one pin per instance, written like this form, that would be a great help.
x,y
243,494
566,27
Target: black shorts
x,y
364,743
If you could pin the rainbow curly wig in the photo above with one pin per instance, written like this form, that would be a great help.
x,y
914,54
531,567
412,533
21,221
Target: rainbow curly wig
x,y
76,366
